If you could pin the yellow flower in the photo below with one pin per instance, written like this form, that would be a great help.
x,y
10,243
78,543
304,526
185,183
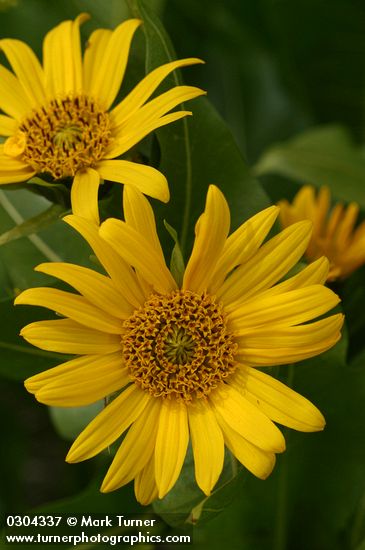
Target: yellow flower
x,y
58,119
184,360
333,234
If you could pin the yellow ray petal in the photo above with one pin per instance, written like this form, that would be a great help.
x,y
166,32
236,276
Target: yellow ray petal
x,y
313,274
96,288
77,367
94,52
13,99
138,214
273,336
257,461
171,444
67,336
145,88
242,244
109,424
145,487
271,262
106,77
149,117
158,107
62,57
121,274
13,170
346,225
277,401
123,142
84,195
146,178
136,450
98,378
27,69
71,305
208,445
135,249
8,125
286,309
247,420
211,234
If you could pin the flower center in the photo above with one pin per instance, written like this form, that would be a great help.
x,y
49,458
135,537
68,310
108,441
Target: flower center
x,y
66,136
179,346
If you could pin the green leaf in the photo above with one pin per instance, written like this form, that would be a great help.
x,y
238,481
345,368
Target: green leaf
x,y
186,503
177,266
197,152
321,156
70,421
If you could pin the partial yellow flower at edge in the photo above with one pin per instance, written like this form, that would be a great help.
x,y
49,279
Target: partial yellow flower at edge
x,y
333,234
184,360
59,118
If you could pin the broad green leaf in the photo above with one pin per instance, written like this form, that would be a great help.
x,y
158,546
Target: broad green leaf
x,y
321,156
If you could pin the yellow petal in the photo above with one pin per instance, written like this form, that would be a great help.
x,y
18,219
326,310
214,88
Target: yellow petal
x,y
146,178
84,195
62,58
13,99
272,345
270,263
247,420
77,367
122,142
71,305
138,214
145,487
67,336
8,125
122,275
109,424
208,445
211,234
13,170
171,444
257,461
96,288
101,376
313,274
135,249
27,69
145,88
286,309
94,53
150,117
106,77
136,450
242,244
277,401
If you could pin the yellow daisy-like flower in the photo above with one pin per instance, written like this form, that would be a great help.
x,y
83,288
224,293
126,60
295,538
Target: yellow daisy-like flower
x,y
184,360
59,119
333,233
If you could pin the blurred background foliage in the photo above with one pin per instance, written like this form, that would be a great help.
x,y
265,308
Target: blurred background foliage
x,y
287,79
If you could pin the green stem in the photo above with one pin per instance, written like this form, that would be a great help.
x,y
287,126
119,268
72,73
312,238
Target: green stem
x,y
281,522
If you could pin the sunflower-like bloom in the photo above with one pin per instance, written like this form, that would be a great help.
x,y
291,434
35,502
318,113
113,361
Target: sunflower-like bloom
x,y
333,233
186,361
59,119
